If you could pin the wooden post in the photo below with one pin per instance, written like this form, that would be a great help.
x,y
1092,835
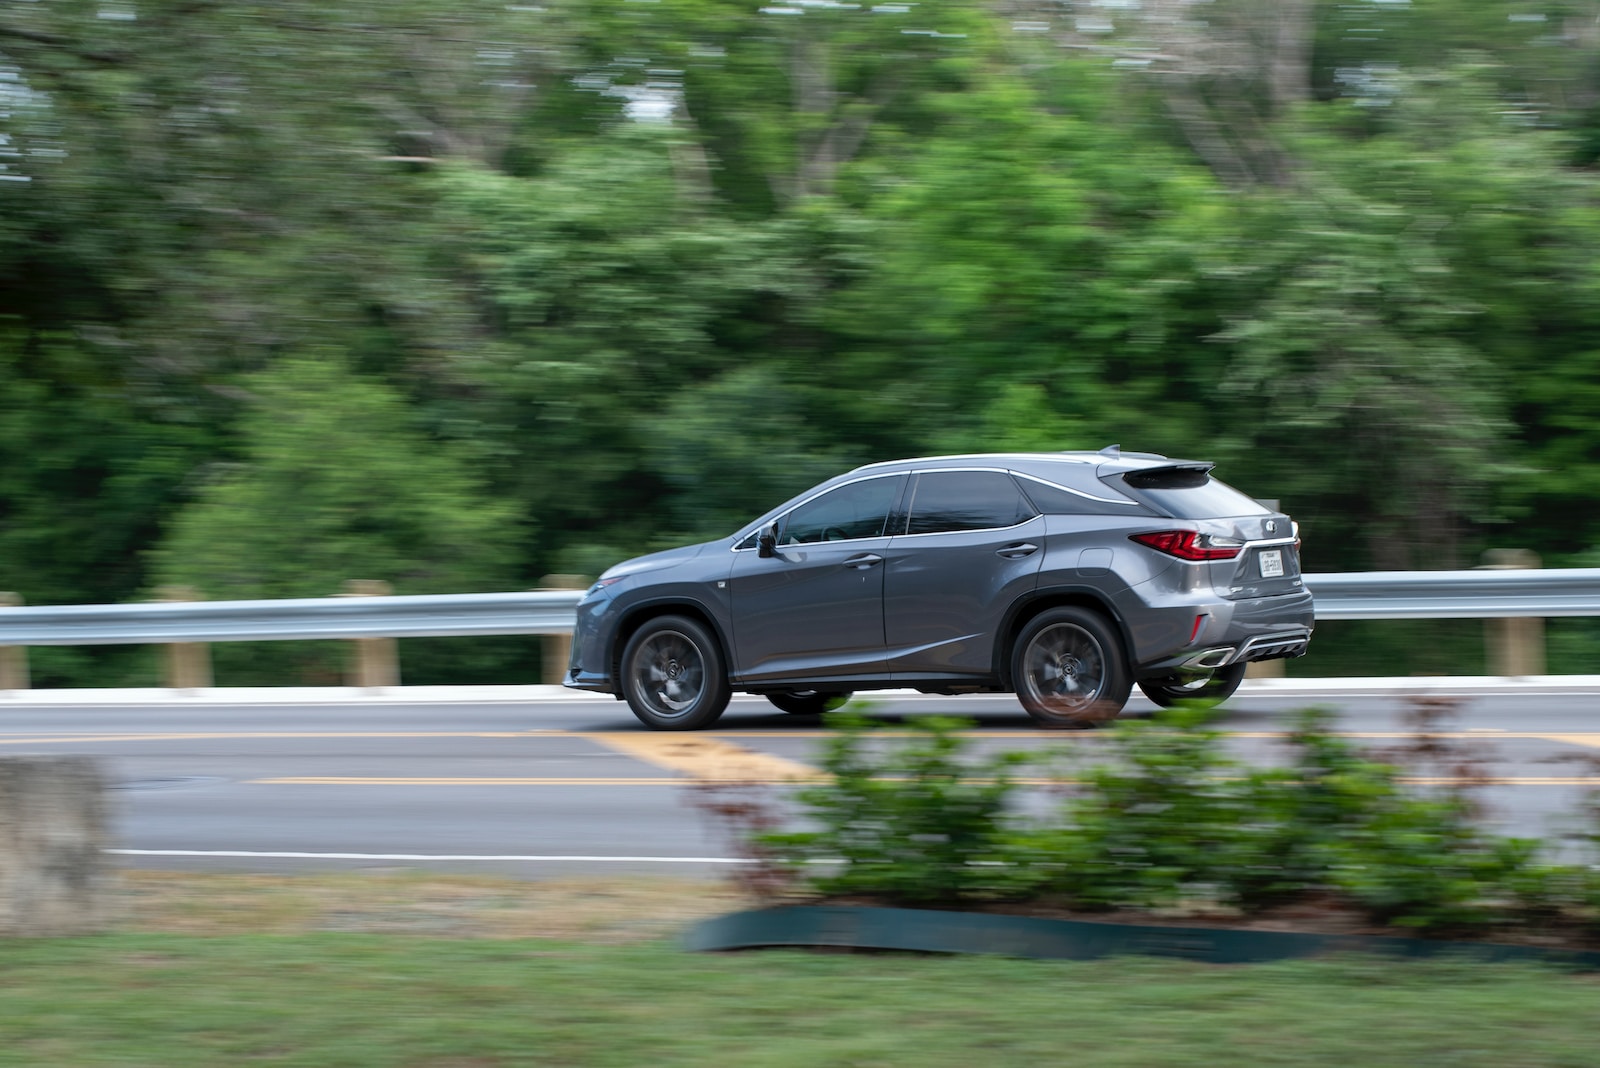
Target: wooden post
x,y
1515,645
556,649
187,665
13,658
377,660
1265,669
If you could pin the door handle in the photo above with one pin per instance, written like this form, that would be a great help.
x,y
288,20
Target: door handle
x,y
864,561
1017,551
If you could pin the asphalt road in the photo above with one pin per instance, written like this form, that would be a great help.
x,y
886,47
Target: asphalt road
x,y
555,787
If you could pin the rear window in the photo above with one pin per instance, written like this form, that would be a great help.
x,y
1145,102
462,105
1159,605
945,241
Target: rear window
x,y
1191,493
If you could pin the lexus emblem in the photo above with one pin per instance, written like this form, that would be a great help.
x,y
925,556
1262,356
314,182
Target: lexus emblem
x,y
1272,526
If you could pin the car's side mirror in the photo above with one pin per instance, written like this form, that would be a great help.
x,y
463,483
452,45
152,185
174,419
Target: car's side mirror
x,y
767,541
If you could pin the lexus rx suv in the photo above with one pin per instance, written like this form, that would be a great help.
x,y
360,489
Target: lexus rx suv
x,y
1065,578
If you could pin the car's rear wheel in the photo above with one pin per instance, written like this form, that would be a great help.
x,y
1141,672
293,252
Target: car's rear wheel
x,y
1216,685
807,702
673,675
1069,668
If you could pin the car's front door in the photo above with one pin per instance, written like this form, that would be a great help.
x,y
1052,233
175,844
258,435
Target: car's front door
x,y
815,608
971,547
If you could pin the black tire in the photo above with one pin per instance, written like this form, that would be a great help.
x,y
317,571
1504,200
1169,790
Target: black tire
x,y
673,675
1069,669
807,702
1217,685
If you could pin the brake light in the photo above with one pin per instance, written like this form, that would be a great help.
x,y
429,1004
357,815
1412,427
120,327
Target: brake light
x,y
1190,544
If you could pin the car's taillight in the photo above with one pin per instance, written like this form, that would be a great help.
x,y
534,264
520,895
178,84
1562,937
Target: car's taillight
x,y
1190,544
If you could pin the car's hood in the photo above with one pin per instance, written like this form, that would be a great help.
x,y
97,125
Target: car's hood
x,y
654,561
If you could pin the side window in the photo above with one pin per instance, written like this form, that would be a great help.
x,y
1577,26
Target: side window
x,y
966,500
1054,500
857,510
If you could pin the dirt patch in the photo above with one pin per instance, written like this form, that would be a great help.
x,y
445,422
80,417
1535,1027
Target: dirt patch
x,y
590,910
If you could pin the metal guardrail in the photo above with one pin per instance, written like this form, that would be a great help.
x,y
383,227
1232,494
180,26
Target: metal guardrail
x,y
1478,594
427,616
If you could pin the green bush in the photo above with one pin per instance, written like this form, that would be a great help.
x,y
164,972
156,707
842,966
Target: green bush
x,y
1169,818
1164,819
911,822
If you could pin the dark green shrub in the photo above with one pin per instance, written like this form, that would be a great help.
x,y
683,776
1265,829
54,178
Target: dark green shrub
x,y
1165,818
1168,818
1418,863
1408,855
906,819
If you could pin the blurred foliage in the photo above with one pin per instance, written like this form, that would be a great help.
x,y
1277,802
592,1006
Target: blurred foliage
x,y
910,820
333,483
612,275
1159,818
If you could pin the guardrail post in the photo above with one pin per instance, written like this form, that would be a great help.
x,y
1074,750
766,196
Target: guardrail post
x,y
1515,645
377,660
187,664
13,658
1265,669
556,649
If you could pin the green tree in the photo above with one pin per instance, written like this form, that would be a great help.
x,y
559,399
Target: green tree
x,y
85,477
335,483
1358,379
1029,277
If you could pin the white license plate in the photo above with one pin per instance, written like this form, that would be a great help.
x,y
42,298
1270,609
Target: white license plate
x,y
1271,563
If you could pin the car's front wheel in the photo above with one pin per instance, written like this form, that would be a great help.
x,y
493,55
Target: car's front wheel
x,y
807,702
672,675
1069,668
1217,685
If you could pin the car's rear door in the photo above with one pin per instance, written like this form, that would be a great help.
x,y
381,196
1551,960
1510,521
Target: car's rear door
x,y
971,544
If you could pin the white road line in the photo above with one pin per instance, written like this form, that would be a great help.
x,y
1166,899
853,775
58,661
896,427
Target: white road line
x,y
248,853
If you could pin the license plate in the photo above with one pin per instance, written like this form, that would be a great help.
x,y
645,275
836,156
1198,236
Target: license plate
x,y
1271,563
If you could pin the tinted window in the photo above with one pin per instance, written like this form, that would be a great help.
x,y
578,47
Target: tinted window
x,y
1191,493
855,510
1053,500
966,500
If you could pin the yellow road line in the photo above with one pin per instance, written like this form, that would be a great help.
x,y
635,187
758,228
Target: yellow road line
x,y
705,758
1498,780
1021,733
1591,741
206,736
1573,738
400,780
351,780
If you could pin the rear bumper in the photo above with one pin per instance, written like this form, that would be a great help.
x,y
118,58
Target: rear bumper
x,y
1267,628
1289,643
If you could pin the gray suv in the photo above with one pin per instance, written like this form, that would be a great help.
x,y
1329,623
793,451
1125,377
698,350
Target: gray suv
x,y
1066,578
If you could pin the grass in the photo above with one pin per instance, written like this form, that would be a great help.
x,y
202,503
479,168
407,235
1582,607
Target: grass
x,y
255,970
